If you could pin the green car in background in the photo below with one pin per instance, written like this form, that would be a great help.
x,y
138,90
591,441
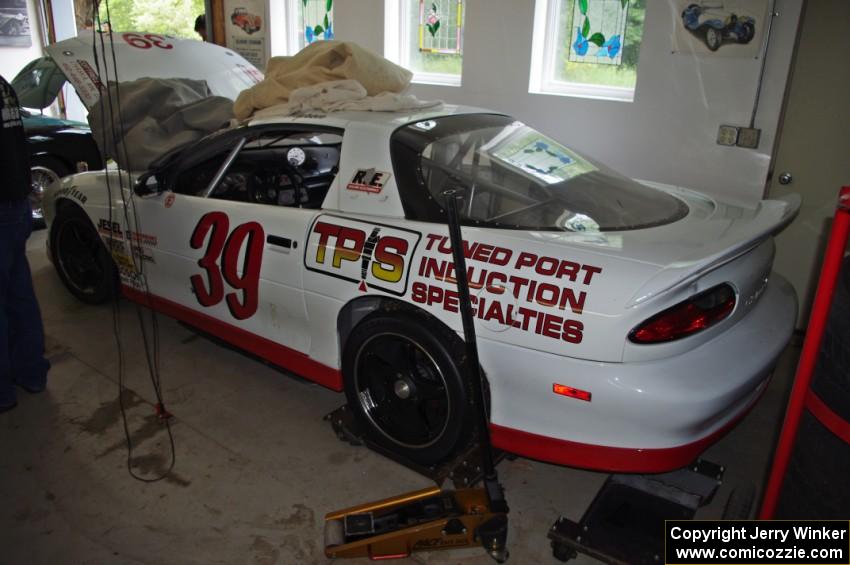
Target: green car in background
x,y
57,147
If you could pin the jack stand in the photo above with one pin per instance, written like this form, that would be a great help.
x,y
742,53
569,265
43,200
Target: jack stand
x,y
431,518
463,470
625,522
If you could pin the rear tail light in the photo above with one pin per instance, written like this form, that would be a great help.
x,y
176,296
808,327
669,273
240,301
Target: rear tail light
x,y
687,318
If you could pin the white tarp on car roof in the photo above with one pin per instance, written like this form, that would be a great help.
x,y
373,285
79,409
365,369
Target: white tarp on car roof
x,y
321,62
139,55
341,95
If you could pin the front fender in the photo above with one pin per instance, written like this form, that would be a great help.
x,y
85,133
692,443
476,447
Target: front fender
x,y
90,191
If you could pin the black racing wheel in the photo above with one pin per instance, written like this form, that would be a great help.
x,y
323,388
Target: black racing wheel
x,y
405,380
84,264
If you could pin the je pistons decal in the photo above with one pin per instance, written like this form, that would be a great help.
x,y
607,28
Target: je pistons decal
x,y
368,180
371,255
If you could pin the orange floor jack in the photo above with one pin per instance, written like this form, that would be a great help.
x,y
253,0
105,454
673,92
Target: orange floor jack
x,y
431,518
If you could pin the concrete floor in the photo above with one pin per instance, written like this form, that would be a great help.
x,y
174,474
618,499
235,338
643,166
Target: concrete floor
x,y
257,467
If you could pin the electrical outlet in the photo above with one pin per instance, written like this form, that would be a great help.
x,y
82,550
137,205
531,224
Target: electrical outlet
x,y
727,135
749,137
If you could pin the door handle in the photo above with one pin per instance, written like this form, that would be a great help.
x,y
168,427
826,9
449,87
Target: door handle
x,y
786,178
284,242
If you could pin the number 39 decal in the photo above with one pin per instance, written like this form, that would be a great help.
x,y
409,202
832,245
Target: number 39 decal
x,y
249,235
146,41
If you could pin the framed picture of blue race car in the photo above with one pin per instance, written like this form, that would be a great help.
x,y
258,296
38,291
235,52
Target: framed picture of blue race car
x,y
728,28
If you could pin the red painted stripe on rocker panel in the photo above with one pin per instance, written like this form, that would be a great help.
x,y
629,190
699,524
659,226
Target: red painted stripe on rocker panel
x,y
272,352
607,458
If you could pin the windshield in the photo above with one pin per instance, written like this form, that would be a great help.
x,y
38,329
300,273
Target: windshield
x,y
514,177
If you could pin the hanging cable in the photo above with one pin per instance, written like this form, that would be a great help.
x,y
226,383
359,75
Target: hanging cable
x,y
150,344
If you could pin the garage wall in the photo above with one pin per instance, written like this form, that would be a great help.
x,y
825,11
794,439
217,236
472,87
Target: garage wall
x,y
668,134
13,59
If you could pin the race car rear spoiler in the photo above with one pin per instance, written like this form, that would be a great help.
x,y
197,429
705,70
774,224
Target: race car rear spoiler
x,y
772,217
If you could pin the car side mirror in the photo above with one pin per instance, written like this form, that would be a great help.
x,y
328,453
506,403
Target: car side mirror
x,y
147,184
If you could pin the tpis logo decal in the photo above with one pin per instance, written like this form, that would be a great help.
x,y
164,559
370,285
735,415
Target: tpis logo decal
x,y
372,255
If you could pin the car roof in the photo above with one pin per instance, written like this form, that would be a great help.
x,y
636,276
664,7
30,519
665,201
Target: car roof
x,y
387,121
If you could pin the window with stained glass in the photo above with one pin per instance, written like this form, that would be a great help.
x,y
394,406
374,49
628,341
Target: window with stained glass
x,y
426,36
587,48
307,21
441,26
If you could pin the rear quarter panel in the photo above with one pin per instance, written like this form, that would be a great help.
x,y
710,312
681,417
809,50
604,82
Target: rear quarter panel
x,y
535,295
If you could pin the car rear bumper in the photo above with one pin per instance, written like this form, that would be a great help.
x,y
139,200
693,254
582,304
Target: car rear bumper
x,y
649,416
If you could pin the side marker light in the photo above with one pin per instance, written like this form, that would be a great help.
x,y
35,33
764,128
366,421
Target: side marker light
x,y
565,390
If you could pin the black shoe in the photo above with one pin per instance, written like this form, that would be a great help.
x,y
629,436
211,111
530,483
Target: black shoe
x,y
32,389
7,407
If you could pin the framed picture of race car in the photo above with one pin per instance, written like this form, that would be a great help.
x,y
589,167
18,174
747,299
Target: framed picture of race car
x,y
728,28
14,24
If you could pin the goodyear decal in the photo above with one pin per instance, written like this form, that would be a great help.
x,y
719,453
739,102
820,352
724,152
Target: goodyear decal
x,y
72,192
372,255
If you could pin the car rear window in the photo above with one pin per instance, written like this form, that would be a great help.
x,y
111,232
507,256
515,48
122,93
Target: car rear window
x,y
514,177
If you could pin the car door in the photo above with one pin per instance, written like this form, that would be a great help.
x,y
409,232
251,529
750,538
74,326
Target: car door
x,y
226,240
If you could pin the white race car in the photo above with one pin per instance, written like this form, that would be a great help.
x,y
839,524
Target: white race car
x,y
622,326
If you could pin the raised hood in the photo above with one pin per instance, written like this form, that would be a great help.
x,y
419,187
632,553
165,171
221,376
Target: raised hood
x,y
87,63
38,84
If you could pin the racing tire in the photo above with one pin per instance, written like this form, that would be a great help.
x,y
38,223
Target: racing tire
x,y
713,38
406,381
820,459
831,379
84,264
43,172
819,465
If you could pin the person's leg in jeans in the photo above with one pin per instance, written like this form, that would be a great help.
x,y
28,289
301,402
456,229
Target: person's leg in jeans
x,y
21,331
26,331
8,228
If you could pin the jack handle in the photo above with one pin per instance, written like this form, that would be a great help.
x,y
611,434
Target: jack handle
x,y
493,533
